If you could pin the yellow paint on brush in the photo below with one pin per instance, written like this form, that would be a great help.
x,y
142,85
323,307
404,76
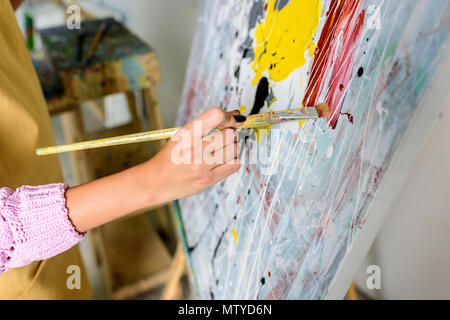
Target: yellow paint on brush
x,y
235,236
242,109
283,37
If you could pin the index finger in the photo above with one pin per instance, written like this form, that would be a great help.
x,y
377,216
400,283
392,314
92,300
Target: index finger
x,y
211,119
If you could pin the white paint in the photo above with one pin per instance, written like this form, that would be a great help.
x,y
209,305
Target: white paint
x,y
330,151
395,179
411,246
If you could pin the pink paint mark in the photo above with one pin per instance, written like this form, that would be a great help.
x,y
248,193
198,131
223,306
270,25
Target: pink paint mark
x,y
265,197
189,102
335,56
277,291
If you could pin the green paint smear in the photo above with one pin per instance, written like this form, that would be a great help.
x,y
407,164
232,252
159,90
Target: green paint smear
x,y
184,242
422,79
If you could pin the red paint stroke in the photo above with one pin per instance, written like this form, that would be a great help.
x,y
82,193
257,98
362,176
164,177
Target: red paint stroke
x,y
334,58
190,102
349,116
197,92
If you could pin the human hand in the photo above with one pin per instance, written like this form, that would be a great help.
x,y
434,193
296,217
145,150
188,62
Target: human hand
x,y
198,156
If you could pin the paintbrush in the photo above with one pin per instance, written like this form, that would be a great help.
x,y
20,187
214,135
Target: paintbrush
x,y
252,121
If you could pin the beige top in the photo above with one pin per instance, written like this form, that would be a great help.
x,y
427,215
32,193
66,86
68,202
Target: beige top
x,y
24,125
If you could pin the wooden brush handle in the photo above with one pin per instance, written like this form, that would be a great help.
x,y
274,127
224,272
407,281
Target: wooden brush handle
x,y
106,142
252,121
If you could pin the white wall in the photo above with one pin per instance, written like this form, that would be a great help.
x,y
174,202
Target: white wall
x,y
168,26
413,246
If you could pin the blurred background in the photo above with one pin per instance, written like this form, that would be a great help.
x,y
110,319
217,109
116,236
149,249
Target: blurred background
x,y
411,249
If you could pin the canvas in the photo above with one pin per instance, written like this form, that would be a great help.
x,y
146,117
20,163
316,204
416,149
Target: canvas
x,y
281,226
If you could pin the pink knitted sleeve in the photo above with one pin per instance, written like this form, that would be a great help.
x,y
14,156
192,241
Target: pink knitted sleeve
x,y
34,225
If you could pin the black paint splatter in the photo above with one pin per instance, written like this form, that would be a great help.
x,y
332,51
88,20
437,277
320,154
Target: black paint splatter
x,y
237,72
261,94
192,248
360,72
263,280
245,53
218,245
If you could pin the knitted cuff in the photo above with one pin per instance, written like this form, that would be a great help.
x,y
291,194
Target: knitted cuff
x,y
39,223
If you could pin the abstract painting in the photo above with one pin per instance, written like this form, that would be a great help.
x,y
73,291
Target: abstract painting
x,y
281,226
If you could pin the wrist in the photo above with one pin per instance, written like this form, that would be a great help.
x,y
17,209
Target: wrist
x,y
151,183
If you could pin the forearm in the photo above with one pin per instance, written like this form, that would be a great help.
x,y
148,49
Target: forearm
x,y
98,202
39,222
42,221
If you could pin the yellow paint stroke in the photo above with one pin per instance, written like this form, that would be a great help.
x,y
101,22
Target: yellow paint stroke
x,y
283,37
242,109
312,49
235,236
260,132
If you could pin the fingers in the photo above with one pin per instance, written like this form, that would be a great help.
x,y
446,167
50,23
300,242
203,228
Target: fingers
x,y
225,155
205,122
213,118
220,146
218,139
224,170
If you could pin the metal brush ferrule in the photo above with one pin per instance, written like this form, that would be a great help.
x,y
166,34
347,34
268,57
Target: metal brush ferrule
x,y
297,114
